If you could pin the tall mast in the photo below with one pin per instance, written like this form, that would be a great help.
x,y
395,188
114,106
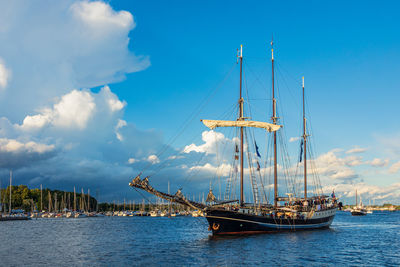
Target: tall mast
x,y
88,200
74,199
356,198
305,147
41,198
9,208
241,128
1,201
274,118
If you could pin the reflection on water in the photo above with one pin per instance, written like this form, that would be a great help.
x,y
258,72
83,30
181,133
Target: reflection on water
x,y
370,240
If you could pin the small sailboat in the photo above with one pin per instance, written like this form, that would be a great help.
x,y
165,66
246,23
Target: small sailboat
x,y
359,209
295,211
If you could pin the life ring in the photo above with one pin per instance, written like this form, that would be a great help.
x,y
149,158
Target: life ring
x,y
215,226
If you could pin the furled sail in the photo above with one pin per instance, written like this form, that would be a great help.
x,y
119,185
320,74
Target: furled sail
x,y
212,124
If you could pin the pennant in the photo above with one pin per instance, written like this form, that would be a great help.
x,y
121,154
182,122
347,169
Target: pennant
x,y
258,166
258,153
301,150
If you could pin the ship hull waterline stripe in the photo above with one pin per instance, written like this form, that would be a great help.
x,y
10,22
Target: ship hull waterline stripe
x,y
278,226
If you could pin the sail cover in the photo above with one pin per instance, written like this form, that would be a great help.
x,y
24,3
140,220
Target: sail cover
x,y
212,124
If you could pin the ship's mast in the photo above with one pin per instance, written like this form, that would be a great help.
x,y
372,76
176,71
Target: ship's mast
x,y
356,198
241,128
305,147
274,119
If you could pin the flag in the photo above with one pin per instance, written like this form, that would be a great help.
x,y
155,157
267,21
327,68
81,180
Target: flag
x,y
301,150
258,153
258,166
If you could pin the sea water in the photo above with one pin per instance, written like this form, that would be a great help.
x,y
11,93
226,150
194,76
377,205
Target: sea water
x,y
372,240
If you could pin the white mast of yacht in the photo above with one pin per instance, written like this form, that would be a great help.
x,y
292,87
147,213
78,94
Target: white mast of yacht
x,y
9,206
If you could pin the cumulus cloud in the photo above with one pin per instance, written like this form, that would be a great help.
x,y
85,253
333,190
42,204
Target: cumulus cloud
x,y
9,145
210,139
221,170
14,153
376,162
5,75
335,167
293,139
99,15
395,167
153,159
131,160
75,135
74,110
63,45
356,150
120,124
370,193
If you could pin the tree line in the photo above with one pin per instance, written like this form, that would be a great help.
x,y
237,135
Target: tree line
x,y
46,199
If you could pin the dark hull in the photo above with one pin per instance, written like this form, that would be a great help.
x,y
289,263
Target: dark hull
x,y
14,218
224,222
358,213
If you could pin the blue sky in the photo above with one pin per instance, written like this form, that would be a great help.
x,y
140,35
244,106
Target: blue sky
x,y
90,90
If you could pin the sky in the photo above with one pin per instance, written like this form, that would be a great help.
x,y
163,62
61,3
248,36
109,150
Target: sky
x,y
92,91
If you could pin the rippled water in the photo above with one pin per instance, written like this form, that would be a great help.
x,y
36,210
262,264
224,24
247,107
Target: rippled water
x,y
372,240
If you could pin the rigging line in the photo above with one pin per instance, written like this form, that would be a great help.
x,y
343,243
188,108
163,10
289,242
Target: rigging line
x,y
178,152
195,112
143,195
268,164
294,99
250,167
291,179
257,76
252,137
293,77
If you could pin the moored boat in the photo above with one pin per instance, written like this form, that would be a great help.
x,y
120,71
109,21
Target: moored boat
x,y
358,209
296,211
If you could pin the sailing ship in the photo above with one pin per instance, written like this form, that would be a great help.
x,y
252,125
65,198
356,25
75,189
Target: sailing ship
x,y
234,216
359,209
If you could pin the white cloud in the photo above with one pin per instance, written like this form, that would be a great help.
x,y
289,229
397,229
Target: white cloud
x,y
222,170
356,150
346,192
131,160
334,167
72,111
37,121
120,124
395,167
10,145
376,162
5,75
353,161
75,110
15,154
98,15
63,45
211,139
293,139
153,159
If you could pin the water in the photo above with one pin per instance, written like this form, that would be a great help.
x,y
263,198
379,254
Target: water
x,y
372,240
